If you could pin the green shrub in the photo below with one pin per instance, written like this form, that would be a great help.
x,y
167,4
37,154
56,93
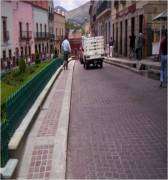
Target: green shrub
x,y
3,112
37,61
30,70
22,65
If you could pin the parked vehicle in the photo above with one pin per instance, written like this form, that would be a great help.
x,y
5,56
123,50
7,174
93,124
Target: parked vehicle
x,y
93,51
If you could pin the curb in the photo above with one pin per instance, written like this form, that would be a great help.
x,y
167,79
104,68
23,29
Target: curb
x,y
23,128
144,73
60,144
122,65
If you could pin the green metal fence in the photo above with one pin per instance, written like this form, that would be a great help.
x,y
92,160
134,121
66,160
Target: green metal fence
x,y
20,102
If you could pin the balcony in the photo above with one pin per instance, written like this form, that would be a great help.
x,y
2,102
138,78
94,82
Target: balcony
x,y
123,2
41,35
103,9
5,36
25,35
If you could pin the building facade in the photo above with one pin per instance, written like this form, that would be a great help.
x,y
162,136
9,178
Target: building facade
x,y
59,30
51,24
100,19
40,30
134,17
23,40
7,48
27,27
124,18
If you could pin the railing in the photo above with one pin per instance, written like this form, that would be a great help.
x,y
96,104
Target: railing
x,y
20,102
41,35
25,35
5,36
103,6
52,36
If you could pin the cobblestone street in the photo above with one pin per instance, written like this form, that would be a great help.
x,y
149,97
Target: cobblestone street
x,y
117,125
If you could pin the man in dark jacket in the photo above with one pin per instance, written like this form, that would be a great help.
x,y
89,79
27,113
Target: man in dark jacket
x,y
163,59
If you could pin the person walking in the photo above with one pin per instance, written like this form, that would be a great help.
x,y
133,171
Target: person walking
x,y
66,49
141,44
111,42
163,60
132,45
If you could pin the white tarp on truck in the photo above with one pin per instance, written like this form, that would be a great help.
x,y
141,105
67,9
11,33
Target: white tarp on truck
x,y
93,47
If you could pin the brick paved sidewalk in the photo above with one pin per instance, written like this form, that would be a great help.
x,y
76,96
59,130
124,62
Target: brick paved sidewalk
x,y
39,154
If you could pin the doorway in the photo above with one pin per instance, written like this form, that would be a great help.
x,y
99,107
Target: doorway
x,y
140,23
121,37
126,32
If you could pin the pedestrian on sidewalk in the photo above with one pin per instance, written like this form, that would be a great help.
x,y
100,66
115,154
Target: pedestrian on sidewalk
x,y
132,45
139,41
66,49
111,47
163,59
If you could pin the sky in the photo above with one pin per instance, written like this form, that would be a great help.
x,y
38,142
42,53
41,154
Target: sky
x,y
69,4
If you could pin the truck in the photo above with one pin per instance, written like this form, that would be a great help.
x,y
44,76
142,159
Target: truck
x,y
93,51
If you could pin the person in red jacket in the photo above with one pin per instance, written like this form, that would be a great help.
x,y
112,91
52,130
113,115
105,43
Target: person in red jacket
x,y
163,59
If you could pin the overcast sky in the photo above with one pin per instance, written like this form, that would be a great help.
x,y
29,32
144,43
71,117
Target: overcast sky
x,y
69,4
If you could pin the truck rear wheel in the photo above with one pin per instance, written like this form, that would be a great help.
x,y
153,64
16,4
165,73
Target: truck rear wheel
x,y
84,65
101,65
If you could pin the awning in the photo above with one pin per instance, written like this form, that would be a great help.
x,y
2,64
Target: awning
x,y
161,16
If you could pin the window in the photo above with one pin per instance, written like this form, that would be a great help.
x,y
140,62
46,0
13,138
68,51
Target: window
x,y
36,48
29,50
20,29
10,53
41,29
21,51
4,29
45,28
42,47
26,50
113,32
36,27
4,54
109,31
140,23
39,48
27,29
132,25
27,26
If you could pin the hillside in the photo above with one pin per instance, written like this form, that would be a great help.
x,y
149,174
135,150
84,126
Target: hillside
x,y
79,14
61,8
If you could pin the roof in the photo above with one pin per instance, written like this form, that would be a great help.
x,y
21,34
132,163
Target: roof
x,y
161,16
59,14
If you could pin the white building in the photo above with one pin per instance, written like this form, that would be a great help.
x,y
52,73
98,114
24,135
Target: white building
x,y
41,30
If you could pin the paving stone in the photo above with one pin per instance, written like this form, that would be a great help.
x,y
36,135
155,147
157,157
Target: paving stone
x,y
39,156
117,125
